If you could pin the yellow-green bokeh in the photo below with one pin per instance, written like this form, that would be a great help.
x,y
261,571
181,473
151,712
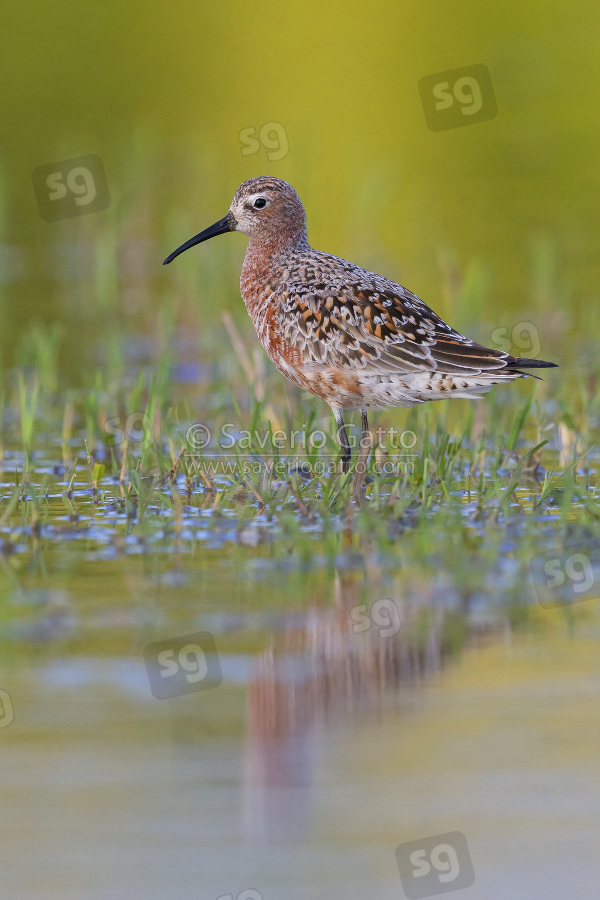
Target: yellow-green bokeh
x,y
160,92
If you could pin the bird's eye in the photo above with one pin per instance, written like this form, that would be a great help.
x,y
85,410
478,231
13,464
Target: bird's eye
x,y
260,203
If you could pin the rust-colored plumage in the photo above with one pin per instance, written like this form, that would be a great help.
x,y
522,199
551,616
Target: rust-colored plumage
x,y
353,338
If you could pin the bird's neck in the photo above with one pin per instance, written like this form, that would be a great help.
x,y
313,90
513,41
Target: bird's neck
x,y
283,241
268,257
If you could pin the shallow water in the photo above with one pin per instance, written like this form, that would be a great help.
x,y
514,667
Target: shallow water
x,y
334,736
298,776
384,680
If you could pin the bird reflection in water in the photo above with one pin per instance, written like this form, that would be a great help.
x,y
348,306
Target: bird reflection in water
x,y
341,661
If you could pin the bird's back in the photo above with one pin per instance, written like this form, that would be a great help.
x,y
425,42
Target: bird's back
x,y
356,338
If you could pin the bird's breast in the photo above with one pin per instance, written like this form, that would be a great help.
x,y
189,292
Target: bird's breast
x,y
260,296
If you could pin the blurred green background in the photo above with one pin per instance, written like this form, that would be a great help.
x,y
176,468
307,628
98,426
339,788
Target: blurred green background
x,y
161,94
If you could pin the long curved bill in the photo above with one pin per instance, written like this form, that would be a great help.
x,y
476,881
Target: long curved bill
x,y
221,227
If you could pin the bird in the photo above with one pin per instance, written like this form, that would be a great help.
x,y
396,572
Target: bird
x,y
355,339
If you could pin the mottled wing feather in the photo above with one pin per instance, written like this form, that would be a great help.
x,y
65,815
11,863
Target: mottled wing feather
x,y
376,324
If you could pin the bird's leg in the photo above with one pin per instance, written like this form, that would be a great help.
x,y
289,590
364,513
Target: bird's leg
x,y
364,422
343,439
365,442
363,456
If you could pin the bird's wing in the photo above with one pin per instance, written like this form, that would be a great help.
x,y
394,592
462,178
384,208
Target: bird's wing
x,y
378,325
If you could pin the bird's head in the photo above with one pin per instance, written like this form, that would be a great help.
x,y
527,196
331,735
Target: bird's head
x,y
262,208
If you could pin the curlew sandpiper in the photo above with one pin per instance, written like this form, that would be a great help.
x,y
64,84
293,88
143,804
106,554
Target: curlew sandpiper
x,y
353,338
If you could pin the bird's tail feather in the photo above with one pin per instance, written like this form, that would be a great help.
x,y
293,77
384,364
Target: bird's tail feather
x,y
521,362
